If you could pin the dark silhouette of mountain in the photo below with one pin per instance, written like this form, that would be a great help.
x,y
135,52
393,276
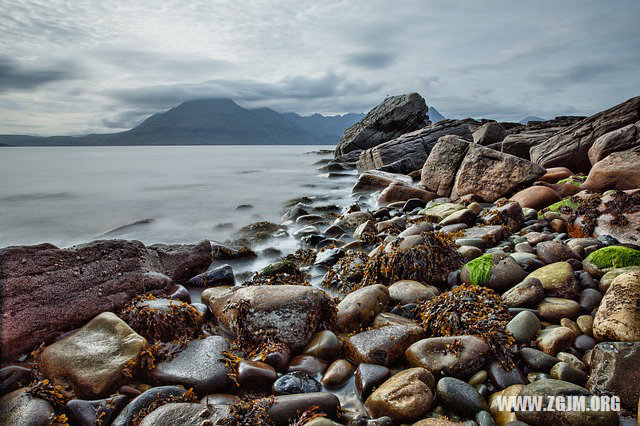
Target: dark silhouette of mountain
x,y
530,118
434,115
211,122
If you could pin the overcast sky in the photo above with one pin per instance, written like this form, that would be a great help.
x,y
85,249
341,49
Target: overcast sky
x,y
70,67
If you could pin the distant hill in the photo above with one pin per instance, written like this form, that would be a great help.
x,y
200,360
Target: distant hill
x,y
211,122
434,115
531,118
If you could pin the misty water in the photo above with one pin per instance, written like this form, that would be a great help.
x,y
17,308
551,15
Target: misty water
x,y
172,194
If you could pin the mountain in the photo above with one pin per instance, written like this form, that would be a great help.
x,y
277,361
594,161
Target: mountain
x,y
434,115
211,122
526,120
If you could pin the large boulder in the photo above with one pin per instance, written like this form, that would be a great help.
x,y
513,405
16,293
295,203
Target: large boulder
x,y
412,149
439,171
289,314
570,148
624,139
398,191
47,290
395,116
618,316
375,180
615,370
491,174
522,138
20,408
620,170
489,133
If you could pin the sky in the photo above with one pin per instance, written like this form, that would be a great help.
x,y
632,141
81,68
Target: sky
x,y
75,67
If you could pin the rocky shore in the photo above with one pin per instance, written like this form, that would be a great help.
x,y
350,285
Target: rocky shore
x,y
474,260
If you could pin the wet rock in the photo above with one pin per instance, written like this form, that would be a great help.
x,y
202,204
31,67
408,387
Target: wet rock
x,y
400,192
13,377
296,382
368,377
287,408
86,413
221,275
590,299
146,400
439,171
441,211
412,204
568,373
557,280
555,308
90,361
618,317
382,345
408,291
554,340
187,414
329,257
536,197
200,365
503,272
374,180
524,326
19,408
291,314
324,345
337,373
351,221
487,235
528,293
615,370
464,216
571,360
537,360
99,276
359,308
501,416
387,318
503,378
405,397
395,116
508,214
617,171
162,319
555,251
255,374
460,397
555,388
458,356
308,364
469,252
366,228
179,292
585,323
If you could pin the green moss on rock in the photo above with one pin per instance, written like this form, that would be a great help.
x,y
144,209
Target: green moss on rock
x,y
614,257
563,205
283,266
480,269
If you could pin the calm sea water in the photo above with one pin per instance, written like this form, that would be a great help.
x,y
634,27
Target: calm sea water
x,y
179,194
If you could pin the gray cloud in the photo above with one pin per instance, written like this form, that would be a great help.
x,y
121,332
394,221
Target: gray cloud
x,y
372,60
17,76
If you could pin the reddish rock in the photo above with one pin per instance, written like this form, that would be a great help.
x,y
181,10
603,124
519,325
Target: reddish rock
x,y
624,139
536,197
400,192
47,290
439,171
374,180
620,170
554,174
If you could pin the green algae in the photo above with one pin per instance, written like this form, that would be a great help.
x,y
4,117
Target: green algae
x,y
563,205
614,256
480,269
280,267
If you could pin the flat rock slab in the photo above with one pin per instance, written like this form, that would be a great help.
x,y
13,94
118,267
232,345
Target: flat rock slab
x,y
47,290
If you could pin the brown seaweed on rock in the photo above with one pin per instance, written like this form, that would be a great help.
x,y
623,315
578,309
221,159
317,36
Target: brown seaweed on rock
x,y
347,274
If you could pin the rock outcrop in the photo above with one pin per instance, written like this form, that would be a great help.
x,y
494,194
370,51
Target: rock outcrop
x,y
620,170
47,290
395,116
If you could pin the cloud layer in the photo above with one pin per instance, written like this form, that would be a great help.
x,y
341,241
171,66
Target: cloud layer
x,y
97,66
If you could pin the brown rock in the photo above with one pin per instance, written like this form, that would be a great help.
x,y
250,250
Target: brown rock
x,y
375,180
623,139
489,133
359,308
536,197
337,373
618,316
554,340
619,170
407,291
527,294
382,345
99,276
435,354
554,174
615,370
439,171
401,192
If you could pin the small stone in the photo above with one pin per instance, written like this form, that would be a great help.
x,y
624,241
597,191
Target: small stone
x,y
359,308
554,340
287,408
502,378
437,356
556,308
584,342
590,299
324,345
585,322
566,322
529,293
460,397
254,374
297,382
368,377
337,373
20,408
382,345
537,360
568,373
479,378
308,364
220,275
144,401
524,326
555,251
408,291
557,280
572,360
86,413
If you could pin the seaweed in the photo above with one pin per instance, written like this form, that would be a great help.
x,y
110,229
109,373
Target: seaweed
x,y
347,274
249,412
480,269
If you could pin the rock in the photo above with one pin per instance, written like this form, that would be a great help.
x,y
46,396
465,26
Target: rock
x,y
90,361
536,197
487,235
287,408
409,152
407,291
259,231
292,314
555,308
556,388
187,414
503,378
86,413
255,374
494,271
465,216
508,214
359,308
221,275
374,180
554,174
569,148
626,138
555,251
329,257
337,373
441,211
524,326
200,365
351,221
460,397
615,370
500,415
554,340
19,408
568,373
382,345
368,377
387,318
490,174
395,116
529,293
179,292
412,204
162,319
618,317
618,171
324,345
308,364
222,252
405,397
13,377
590,299
98,277
439,170
296,382
146,400
437,355
401,192
585,323
489,133
557,280
537,360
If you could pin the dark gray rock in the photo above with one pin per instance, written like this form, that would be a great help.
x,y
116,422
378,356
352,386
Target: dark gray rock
x,y
460,397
